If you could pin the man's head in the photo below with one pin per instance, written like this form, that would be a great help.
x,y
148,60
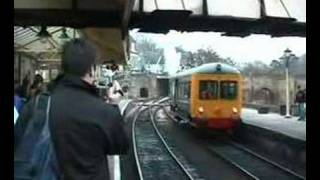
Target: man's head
x,y
37,82
298,87
38,78
78,59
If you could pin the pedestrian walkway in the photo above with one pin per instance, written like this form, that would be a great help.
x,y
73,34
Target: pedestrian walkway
x,y
275,122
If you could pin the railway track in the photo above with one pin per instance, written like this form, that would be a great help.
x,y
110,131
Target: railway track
x,y
250,163
154,158
247,161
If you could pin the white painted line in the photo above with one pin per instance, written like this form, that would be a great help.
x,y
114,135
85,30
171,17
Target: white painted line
x,y
117,172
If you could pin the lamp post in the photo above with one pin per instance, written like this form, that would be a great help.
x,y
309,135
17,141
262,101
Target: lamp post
x,y
287,56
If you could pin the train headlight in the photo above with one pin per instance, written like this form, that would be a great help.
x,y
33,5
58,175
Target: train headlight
x,y
200,109
234,110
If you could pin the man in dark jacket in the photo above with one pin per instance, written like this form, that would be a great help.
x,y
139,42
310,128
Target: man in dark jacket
x,y
84,129
301,100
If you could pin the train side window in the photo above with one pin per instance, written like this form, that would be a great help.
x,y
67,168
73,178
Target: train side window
x,y
189,89
228,89
180,90
208,90
185,90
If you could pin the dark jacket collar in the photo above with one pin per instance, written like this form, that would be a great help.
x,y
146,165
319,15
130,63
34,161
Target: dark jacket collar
x,y
78,83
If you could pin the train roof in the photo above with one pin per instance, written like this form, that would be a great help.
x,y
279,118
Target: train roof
x,y
210,68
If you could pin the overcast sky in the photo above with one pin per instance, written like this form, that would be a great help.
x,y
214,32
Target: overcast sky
x,y
248,49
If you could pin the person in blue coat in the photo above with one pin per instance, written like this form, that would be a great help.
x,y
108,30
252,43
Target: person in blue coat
x,y
18,100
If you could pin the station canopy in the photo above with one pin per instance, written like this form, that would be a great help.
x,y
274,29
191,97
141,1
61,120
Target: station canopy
x,y
235,8
44,43
106,23
234,17
29,39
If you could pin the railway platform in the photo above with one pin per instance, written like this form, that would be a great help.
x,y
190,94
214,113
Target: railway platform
x,y
290,127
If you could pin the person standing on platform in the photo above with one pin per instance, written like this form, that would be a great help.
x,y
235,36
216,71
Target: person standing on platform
x,y
25,87
84,128
18,100
301,100
37,86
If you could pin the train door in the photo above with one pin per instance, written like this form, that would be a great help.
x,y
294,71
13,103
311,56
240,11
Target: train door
x,y
173,93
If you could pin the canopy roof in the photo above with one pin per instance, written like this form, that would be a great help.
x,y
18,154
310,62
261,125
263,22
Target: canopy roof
x,y
233,17
115,17
27,40
235,8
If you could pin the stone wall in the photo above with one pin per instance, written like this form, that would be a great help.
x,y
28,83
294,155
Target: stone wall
x,y
135,83
270,90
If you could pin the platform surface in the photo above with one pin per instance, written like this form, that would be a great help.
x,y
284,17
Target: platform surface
x,y
275,122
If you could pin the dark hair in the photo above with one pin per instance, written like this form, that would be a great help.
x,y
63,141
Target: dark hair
x,y
78,57
37,80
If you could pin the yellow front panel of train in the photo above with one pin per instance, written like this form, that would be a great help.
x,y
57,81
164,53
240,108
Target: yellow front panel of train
x,y
224,99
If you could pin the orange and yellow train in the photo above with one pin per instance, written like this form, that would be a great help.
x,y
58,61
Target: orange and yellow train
x,y
208,96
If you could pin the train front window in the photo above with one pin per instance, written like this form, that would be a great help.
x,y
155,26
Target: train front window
x,y
208,90
228,90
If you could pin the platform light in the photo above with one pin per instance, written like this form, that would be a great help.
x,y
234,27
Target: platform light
x,y
43,34
64,37
64,34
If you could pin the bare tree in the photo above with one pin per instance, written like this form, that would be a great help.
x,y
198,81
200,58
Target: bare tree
x,y
201,56
149,53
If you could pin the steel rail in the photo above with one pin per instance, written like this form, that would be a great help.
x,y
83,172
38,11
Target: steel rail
x,y
166,145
